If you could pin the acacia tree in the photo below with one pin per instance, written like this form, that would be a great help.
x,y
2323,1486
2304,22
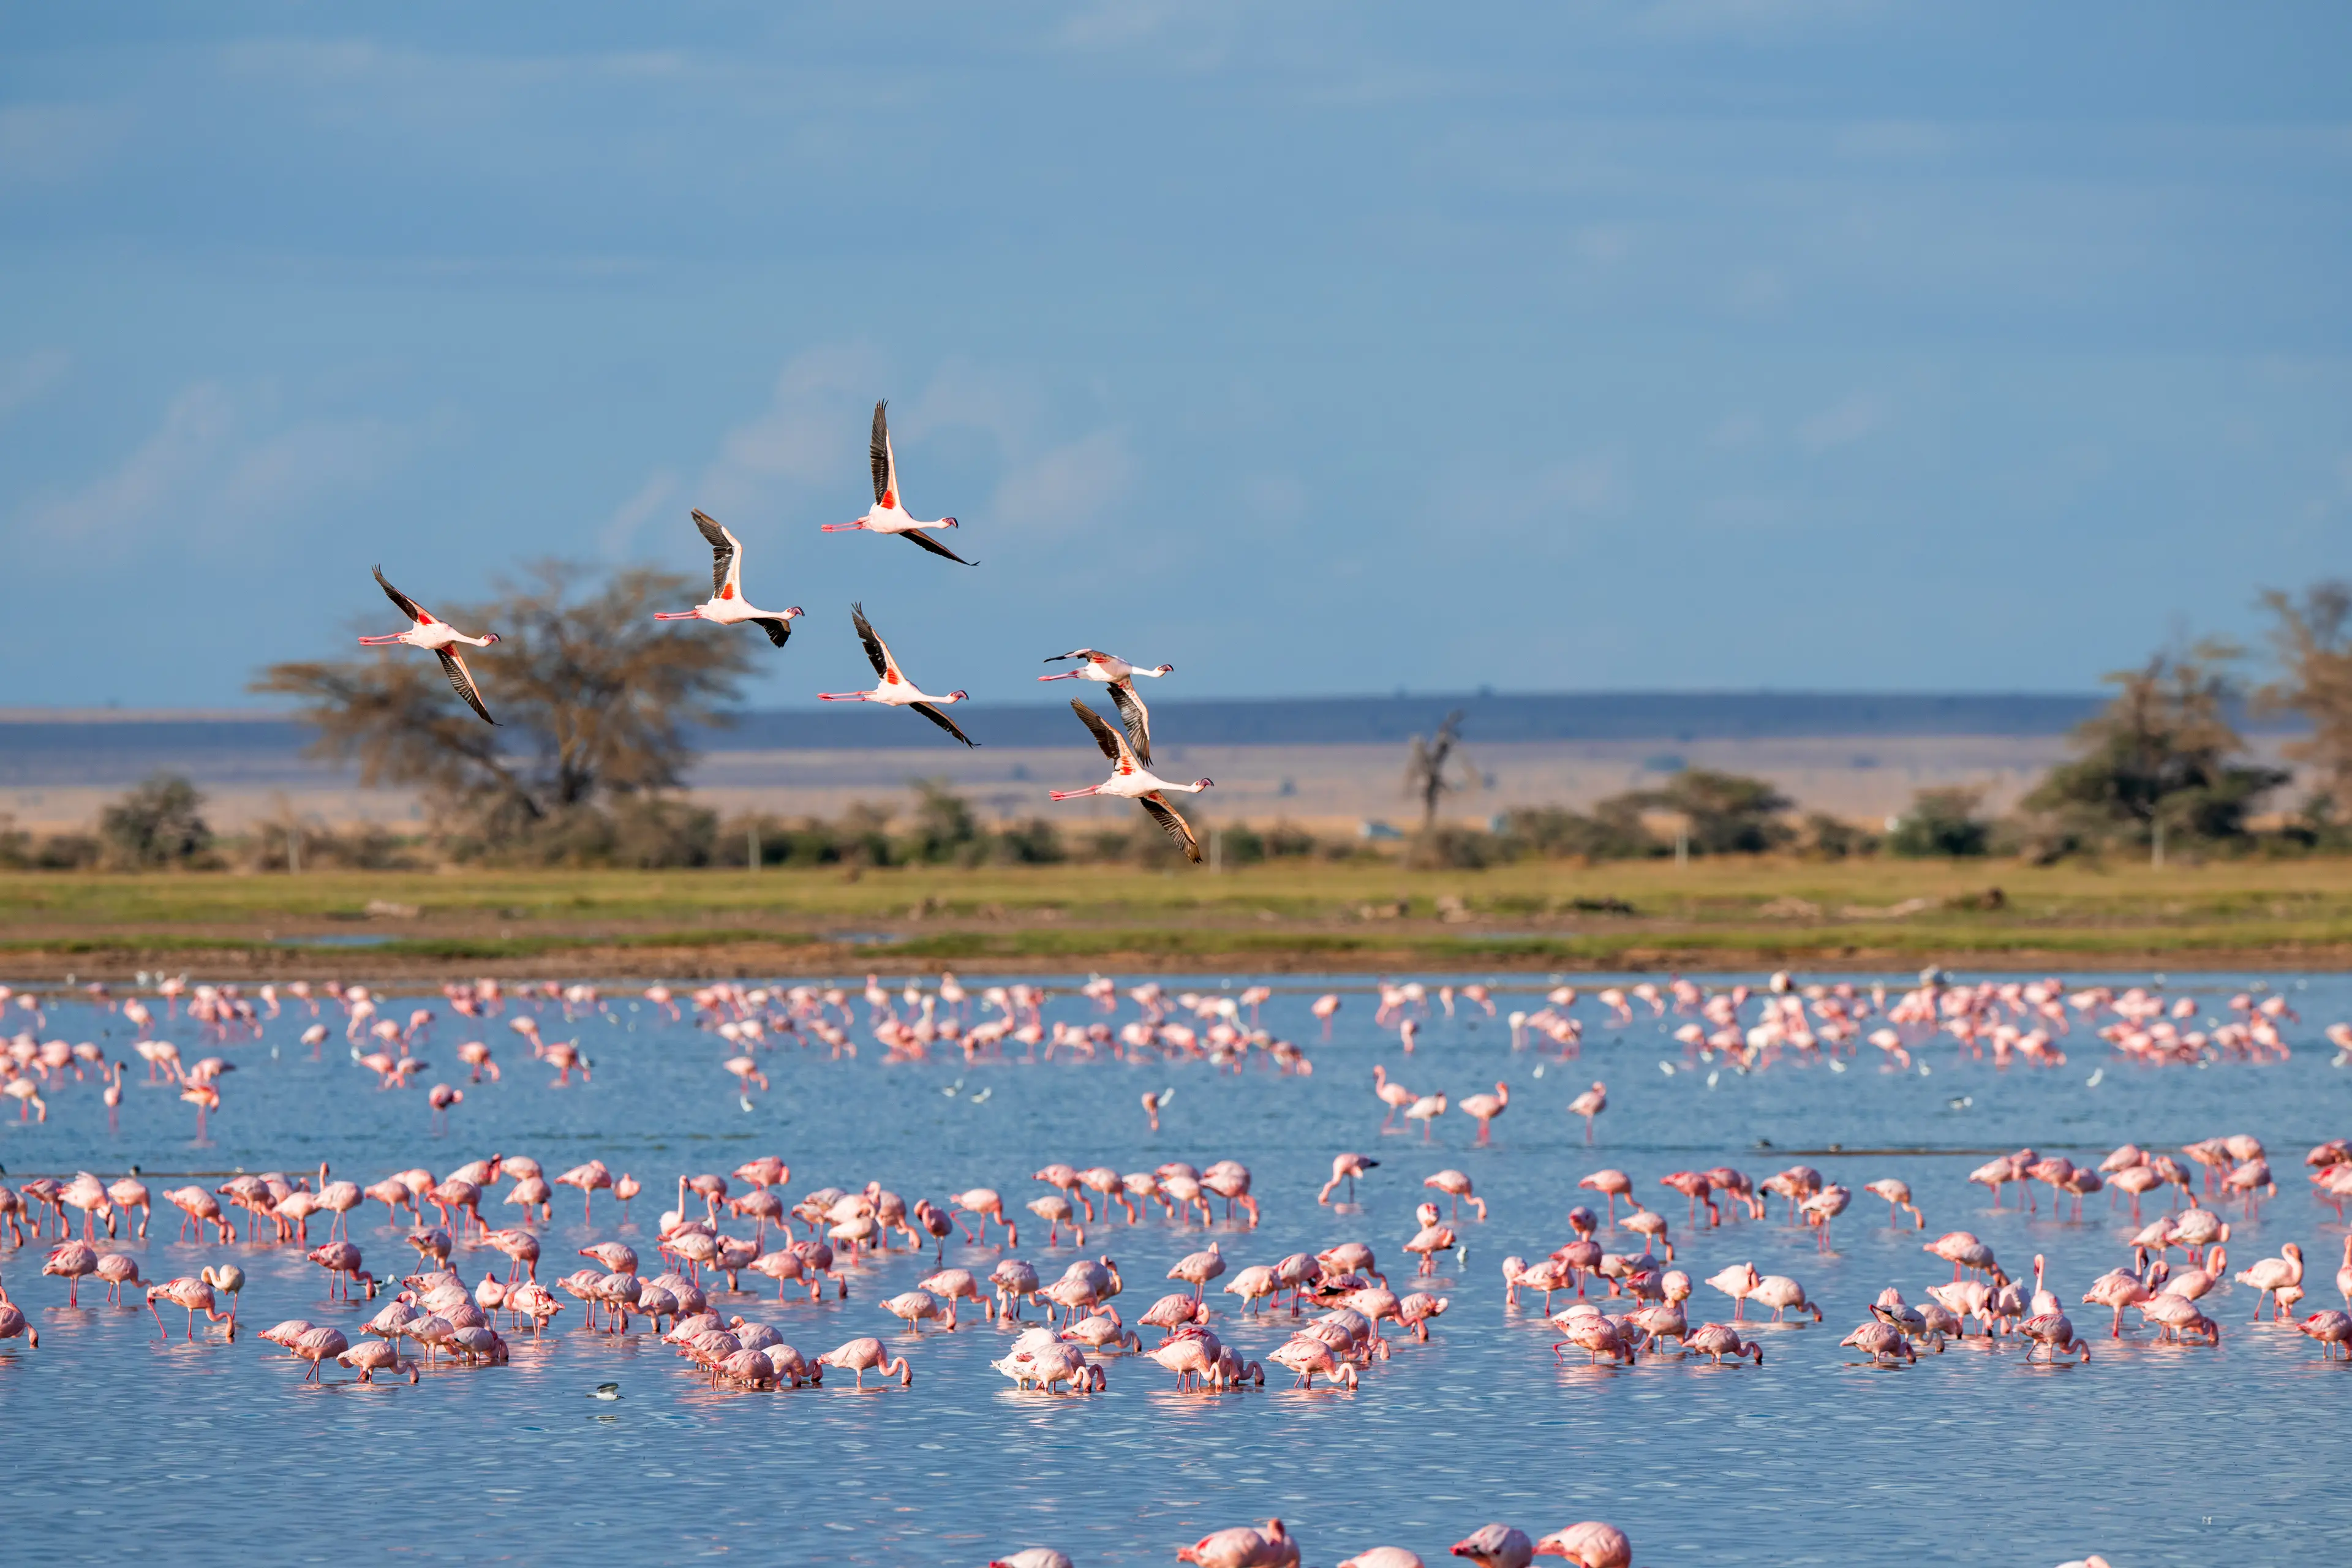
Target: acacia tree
x,y
2160,754
2312,640
598,695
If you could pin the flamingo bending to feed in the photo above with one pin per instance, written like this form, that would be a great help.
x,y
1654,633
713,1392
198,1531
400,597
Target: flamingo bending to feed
x,y
1898,1196
1495,1546
1883,1342
194,1295
1130,779
1244,1548
2331,1329
894,689
1782,1293
888,513
1456,1184
1345,1168
13,1324
438,638
859,1354
1589,1104
1614,1185
1590,1544
2053,1333
1118,675
1720,1339
727,607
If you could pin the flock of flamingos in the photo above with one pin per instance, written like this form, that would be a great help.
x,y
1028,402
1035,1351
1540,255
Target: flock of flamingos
x,y
1603,1297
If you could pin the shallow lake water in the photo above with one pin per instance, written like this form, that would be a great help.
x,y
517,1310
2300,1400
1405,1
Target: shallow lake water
x,y
127,1445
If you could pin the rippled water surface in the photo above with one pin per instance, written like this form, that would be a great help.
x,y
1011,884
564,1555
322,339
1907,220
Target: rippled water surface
x,y
125,1446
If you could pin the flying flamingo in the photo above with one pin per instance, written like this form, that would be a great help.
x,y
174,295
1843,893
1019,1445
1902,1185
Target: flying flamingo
x,y
437,637
1485,1107
890,514
1130,779
727,607
894,688
1118,675
1589,1104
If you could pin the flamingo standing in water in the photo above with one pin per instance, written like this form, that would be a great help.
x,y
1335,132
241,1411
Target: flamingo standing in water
x,y
894,689
2269,1276
727,607
1425,1110
1485,1107
1323,1007
1589,1104
1130,779
1393,1095
1118,675
437,637
888,513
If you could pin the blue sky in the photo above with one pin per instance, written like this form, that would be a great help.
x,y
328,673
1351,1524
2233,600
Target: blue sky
x,y
1315,348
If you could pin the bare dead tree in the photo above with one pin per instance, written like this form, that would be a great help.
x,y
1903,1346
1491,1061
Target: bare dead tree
x,y
1426,778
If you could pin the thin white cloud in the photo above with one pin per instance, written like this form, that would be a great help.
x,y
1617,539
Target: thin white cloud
x,y
1753,19
52,142
1279,499
812,434
619,535
207,474
1843,423
1187,36
195,427
1594,484
23,380
308,462
1069,486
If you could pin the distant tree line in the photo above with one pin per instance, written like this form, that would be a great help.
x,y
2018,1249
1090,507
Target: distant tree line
x,y
595,701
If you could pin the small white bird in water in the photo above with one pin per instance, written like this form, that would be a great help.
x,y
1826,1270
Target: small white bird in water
x,y
981,1097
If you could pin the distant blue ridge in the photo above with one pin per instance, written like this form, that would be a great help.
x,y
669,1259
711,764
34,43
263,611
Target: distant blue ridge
x,y
71,748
